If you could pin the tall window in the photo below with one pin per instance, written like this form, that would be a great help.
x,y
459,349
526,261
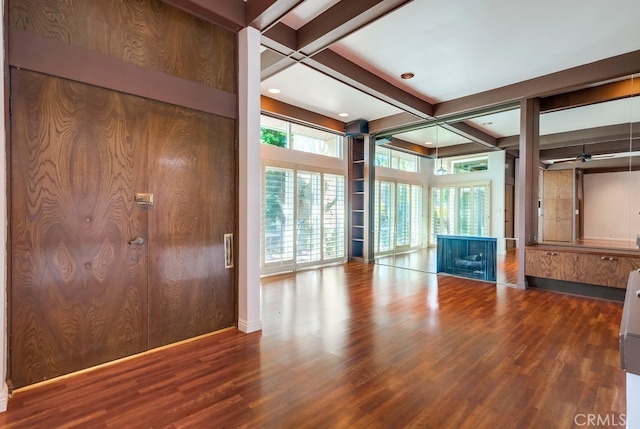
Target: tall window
x,y
397,216
277,132
303,219
460,210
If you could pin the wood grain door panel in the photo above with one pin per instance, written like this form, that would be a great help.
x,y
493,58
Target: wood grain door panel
x,y
192,177
78,289
81,294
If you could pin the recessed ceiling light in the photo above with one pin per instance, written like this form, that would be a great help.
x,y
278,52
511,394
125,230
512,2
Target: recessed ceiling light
x,y
428,143
407,75
486,124
274,90
343,115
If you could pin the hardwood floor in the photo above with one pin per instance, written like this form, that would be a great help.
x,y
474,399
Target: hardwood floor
x,y
363,346
426,260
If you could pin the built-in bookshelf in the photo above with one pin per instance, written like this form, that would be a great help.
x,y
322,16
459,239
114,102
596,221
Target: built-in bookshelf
x,y
358,187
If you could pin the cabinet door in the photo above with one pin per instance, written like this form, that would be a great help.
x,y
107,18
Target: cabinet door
x,y
557,205
606,270
550,264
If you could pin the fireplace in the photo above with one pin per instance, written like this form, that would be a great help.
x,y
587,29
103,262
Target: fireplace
x,y
466,256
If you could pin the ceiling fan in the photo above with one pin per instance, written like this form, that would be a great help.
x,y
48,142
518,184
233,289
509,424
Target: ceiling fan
x,y
582,157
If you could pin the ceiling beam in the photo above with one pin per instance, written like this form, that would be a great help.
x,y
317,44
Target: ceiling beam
x,y
262,14
281,38
608,165
338,67
408,147
307,45
394,121
473,134
340,20
271,63
614,146
566,80
578,137
461,149
229,14
597,94
298,114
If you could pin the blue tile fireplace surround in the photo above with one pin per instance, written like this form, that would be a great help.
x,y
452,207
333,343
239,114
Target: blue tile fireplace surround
x,y
466,256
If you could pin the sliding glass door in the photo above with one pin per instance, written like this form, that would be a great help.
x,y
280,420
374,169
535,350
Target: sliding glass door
x,y
397,217
460,210
303,219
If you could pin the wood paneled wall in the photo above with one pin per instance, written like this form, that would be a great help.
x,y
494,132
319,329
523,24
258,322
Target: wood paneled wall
x,y
147,33
191,168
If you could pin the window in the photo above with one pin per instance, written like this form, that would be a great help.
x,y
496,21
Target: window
x,y
460,210
397,160
303,219
461,165
397,216
277,132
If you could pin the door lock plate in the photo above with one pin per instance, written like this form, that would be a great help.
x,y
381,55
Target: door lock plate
x,y
144,199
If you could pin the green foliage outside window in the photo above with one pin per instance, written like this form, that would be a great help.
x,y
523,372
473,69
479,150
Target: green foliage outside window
x,y
273,137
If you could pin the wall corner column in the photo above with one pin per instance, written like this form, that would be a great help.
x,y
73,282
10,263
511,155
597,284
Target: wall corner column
x,y
249,294
528,180
4,224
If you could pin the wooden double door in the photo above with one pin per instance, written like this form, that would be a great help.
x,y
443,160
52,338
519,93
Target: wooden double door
x,y
95,274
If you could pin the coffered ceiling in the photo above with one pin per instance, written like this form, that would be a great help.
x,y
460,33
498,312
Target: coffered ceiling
x,y
472,62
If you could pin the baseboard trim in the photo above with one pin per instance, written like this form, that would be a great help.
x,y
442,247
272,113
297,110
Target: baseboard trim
x,y
582,289
4,398
248,327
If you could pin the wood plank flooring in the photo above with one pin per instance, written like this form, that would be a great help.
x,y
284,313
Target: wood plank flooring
x,y
426,260
363,346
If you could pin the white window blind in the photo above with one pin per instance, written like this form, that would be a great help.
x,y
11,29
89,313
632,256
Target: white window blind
x,y
460,210
397,216
333,217
303,218
416,215
404,215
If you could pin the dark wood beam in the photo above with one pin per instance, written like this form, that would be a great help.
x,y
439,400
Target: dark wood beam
x,y
408,147
262,14
394,121
281,38
300,115
609,147
340,68
229,14
271,63
597,94
473,134
576,138
566,80
51,56
340,20
461,149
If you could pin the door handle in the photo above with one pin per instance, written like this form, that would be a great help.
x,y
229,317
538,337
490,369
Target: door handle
x,y
138,241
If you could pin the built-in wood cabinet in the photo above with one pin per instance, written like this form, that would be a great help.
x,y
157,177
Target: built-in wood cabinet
x,y
557,205
589,266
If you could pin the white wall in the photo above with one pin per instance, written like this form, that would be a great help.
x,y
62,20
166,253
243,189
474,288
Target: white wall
x,y
495,175
612,206
249,292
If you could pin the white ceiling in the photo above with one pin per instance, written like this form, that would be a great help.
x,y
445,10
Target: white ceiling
x,y
458,49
